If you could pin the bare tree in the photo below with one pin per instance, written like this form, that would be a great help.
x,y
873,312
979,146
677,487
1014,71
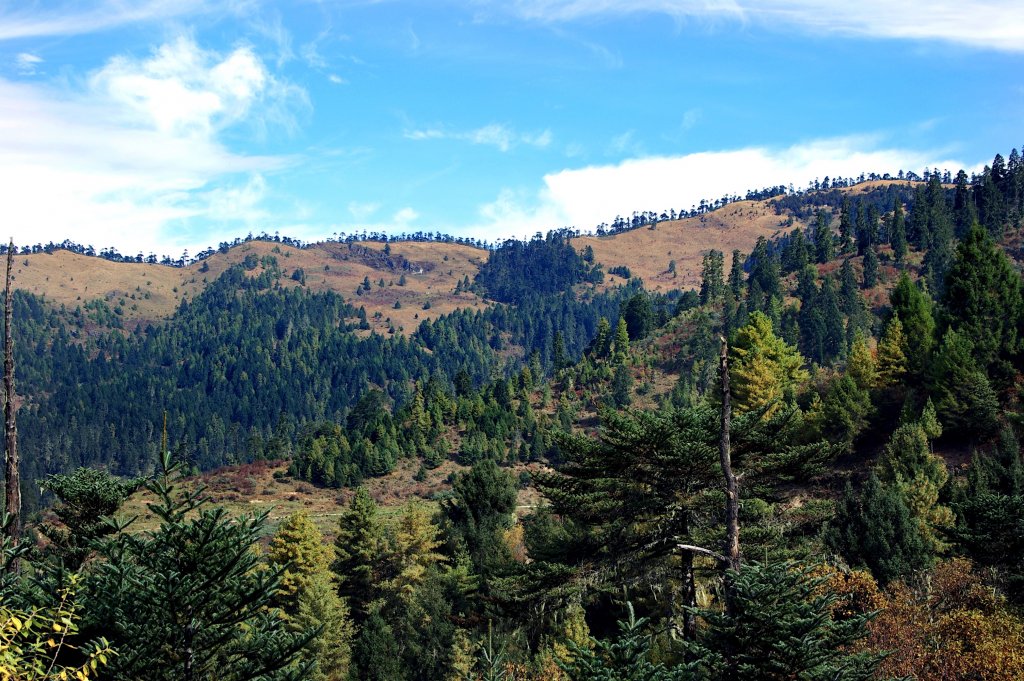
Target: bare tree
x,y
12,481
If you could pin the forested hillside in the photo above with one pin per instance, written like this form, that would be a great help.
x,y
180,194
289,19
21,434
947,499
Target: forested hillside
x,y
808,466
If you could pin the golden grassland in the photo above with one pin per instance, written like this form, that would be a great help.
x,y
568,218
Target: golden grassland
x,y
647,252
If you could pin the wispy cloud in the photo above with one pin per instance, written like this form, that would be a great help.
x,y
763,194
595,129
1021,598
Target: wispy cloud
x,y
986,24
133,155
25,20
586,197
27,64
496,135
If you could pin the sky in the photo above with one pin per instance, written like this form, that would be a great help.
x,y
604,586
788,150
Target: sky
x,y
157,126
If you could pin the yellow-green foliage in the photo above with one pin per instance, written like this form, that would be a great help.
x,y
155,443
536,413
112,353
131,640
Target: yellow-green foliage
x,y
299,545
765,370
892,355
909,463
32,640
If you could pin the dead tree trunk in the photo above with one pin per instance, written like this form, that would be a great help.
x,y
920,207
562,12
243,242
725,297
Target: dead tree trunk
x,y
732,495
12,481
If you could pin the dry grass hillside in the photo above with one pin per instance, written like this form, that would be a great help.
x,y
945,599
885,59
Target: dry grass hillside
x,y
152,292
432,270
647,252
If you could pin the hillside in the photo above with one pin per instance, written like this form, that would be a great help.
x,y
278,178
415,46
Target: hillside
x,y
148,292
647,251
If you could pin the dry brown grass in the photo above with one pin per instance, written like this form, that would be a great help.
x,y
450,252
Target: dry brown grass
x,y
265,486
153,292
647,252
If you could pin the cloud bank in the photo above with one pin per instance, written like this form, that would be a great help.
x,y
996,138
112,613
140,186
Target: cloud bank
x,y
586,197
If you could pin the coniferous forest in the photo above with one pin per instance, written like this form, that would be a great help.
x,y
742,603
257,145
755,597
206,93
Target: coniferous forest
x,y
808,467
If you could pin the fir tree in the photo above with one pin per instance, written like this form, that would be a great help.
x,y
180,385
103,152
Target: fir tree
x,y
781,626
359,549
188,601
765,370
712,282
914,308
824,242
983,300
875,529
898,232
320,609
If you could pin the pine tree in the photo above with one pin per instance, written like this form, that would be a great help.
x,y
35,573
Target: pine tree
x,y
712,282
964,398
627,658
321,609
824,242
892,355
736,276
601,344
914,308
870,267
376,655
846,227
621,340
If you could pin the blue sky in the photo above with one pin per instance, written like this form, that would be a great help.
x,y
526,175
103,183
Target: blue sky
x,y
162,125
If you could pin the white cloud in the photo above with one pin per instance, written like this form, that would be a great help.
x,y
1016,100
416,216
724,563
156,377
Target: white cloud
x,y
25,20
496,135
986,24
132,156
27,63
336,79
586,197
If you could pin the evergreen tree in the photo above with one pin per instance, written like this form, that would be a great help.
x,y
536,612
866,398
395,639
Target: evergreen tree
x,y
846,227
359,549
736,276
86,496
824,242
876,530
480,512
983,300
898,232
627,658
914,308
965,213
299,551
639,316
781,626
320,609
834,334
376,654
870,267
712,282
621,340
908,465
189,600
765,370
892,355
964,398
